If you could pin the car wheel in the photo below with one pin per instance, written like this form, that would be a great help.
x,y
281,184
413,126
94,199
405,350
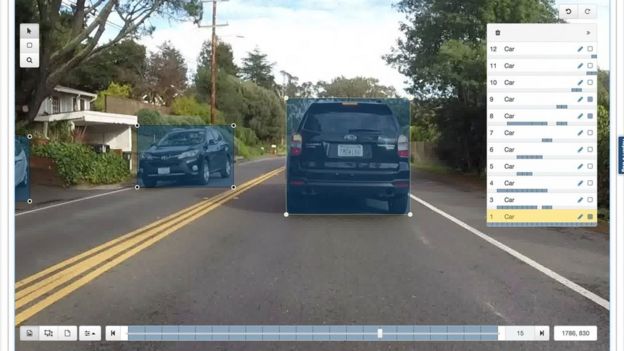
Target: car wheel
x,y
204,175
398,204
148,182
227,169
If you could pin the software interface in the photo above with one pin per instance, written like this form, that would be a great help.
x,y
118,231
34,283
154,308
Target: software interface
x,y
312,175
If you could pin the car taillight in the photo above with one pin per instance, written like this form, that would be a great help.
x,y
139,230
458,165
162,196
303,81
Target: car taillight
x,y
297,182
296,143
403,184
403,147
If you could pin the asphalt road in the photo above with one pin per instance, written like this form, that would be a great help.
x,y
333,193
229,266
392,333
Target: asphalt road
x,y
243,262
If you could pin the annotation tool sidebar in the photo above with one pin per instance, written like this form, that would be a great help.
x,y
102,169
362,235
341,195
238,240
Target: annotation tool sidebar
x,y
29,45
542,125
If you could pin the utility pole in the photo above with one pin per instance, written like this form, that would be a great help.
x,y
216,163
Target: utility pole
x,y
213,61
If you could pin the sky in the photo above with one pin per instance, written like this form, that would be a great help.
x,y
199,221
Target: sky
x,y
316,39
311,39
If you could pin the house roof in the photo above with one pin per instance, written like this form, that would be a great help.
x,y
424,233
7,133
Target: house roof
x,y
62,89
90,117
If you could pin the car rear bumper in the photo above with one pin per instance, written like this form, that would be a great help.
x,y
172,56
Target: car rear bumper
x,y
362,182
377,189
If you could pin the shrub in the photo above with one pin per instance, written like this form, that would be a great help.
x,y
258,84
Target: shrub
x,y
77,163
146,115
189,106
247,136
114,89
246,151
151,117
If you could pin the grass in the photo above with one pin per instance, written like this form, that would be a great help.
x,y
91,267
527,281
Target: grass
x,y
250,152
437,168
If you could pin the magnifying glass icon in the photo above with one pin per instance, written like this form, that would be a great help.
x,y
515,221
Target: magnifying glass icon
x,y
29,60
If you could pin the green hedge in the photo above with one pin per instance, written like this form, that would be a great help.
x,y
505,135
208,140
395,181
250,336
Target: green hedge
x,y
247,136
152,117
246,151
78,164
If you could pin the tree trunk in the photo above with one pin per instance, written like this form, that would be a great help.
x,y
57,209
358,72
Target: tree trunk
x,y
40,93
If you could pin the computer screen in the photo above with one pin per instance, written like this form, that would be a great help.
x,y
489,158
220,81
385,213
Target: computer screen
x,y
312,175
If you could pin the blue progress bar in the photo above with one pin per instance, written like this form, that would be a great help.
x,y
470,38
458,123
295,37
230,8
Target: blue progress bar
x,y
314,333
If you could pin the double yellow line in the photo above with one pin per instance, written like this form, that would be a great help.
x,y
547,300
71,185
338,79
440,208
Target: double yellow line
x,y
40,290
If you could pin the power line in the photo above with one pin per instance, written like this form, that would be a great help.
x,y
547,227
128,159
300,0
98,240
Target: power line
x,y
69,4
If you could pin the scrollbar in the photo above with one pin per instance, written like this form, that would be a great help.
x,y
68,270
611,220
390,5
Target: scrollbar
x,y
283,333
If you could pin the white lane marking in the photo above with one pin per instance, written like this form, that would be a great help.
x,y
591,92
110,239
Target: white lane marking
x,y
105,194
547,271
496,312
423,239
72,201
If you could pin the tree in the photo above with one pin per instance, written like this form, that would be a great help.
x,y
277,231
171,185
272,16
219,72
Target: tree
x,y
166,73
603,139
245,103
307,90
443,56
355,87
248,103
70,35
229,98
113,89
290,86
293,89
124,63
228,94
256,68
443,53
264,111
225,57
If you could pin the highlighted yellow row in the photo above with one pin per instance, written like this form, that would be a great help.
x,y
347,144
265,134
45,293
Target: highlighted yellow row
x,y
542,216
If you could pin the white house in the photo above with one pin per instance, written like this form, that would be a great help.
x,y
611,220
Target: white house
x,y
101,128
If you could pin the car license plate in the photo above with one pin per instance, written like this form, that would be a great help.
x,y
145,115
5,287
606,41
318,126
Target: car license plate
x,y
164,170
350,150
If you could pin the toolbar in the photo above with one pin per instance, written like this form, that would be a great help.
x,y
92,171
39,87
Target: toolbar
x,y
307,333
29,45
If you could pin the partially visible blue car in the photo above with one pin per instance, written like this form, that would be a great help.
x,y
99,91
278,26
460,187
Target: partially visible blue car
x,y
21,165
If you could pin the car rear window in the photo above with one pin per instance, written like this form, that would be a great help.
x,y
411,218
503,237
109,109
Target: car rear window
x,y
350,122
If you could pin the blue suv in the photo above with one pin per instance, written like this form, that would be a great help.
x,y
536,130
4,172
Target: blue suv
x,y
190,155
